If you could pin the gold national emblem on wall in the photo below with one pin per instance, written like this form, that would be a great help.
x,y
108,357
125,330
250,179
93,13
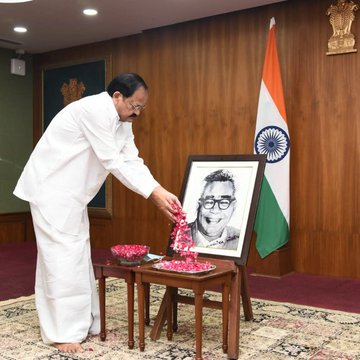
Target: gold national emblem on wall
x,y
72,91
341,17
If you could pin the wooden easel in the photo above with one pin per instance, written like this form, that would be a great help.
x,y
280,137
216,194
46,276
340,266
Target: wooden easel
x,y
239,288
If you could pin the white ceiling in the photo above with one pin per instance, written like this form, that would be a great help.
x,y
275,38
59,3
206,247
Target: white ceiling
x,y
57,24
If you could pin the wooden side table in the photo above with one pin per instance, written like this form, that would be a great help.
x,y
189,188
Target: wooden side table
x,y
113,269
239,289
219,277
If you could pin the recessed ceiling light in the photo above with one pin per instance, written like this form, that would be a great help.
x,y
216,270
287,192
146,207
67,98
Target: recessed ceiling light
x,y
90,12
20,29
13,1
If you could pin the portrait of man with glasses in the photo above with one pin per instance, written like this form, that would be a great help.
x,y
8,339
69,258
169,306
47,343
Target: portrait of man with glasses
x,y
215,208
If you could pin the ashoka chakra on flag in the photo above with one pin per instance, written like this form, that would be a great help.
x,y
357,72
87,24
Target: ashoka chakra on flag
x,y
274,142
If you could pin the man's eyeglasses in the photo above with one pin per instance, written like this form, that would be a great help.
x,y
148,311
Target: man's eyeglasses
x,y
137,107
223,204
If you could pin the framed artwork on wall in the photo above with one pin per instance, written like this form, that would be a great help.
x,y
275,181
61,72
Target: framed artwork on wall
x,y
65,83
219,195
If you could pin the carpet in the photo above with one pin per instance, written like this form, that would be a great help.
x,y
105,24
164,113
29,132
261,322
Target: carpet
x,y
278,331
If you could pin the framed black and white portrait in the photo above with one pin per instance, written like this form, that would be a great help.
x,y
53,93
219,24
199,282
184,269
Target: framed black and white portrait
x,y
219,195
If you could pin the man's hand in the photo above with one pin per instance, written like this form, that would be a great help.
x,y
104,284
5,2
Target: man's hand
x,y
165,200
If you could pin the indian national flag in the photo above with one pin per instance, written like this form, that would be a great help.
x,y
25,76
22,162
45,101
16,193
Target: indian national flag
x,y
272,139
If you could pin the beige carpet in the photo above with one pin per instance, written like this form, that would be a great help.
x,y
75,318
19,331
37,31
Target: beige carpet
x,y
279,331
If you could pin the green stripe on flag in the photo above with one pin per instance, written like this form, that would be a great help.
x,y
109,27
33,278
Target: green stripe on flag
x,y
272,229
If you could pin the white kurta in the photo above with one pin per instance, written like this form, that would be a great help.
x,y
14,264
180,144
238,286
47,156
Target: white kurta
x,y
81,146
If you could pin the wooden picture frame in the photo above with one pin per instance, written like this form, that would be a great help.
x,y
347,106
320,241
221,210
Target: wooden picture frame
x,y
67,82
239,197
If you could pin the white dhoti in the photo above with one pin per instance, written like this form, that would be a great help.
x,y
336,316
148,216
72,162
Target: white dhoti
x,y
65,289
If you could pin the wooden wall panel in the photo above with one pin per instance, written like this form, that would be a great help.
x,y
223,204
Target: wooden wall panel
x,y
16,228
204,78
327,253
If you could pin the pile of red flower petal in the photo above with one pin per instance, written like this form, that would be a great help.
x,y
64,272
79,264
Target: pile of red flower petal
x,y
130,252
182,244
183,266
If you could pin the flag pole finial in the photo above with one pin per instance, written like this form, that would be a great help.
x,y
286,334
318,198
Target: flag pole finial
x,y
272,22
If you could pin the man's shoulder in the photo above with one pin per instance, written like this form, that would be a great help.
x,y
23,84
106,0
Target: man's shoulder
x,y
98,106
95,98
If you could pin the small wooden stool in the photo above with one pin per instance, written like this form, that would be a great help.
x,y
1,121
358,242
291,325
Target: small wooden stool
x,y
220,277
113,269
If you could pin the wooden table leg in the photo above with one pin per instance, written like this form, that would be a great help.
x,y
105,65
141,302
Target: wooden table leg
x,y
234,315
198,323
147,303
239,289
141,290
225,316
168,296
102,307
175,310
130,299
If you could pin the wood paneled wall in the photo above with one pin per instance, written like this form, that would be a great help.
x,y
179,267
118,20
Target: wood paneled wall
x,y
204,78
16,228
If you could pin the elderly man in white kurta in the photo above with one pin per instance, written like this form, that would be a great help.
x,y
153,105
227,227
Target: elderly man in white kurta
x,y
85,141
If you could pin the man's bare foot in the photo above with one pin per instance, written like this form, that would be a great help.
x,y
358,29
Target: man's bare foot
x,y
69,347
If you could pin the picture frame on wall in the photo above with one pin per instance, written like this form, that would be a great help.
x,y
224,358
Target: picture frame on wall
x,y
219,195
65,83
